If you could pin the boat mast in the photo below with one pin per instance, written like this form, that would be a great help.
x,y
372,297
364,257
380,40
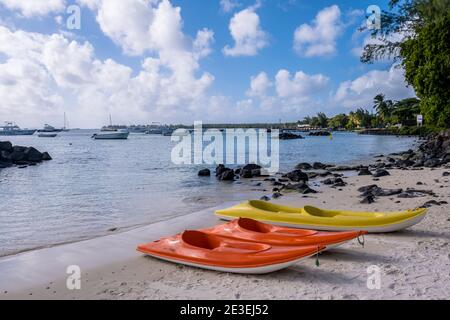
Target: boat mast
x,y
110,121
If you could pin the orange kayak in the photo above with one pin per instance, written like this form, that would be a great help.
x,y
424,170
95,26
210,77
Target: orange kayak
x,y
255,231
215,252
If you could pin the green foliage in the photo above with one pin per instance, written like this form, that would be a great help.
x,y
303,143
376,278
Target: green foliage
x,y
427,64
383,107
338,121
416,131
322,120
424,50
405,111
361,118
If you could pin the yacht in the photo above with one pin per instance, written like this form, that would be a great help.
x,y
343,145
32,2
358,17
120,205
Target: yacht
x,y
11,129
49,128
120,134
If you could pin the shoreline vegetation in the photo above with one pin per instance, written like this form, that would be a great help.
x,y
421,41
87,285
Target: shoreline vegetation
x,y
390,118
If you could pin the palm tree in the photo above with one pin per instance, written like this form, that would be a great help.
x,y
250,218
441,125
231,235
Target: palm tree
x,y
383,107
323,119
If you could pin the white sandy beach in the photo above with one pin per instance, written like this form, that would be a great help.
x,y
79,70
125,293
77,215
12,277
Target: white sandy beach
x,y
414,263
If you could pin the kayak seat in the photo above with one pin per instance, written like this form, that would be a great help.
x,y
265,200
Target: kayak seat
x,y
253,225
313,211
267,206
210,242
200,240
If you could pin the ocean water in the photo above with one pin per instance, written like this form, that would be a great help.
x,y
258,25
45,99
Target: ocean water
x,y
91,186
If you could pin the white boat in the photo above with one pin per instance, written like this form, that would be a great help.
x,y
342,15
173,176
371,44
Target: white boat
x,y
47,135
120,134
11,129
49,128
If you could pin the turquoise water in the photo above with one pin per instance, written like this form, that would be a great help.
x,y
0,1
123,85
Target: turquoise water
x,y
92,186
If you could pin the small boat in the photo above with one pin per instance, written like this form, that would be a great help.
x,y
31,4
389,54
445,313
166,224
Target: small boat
x,y
11,129
47,135
318,219
214,252
120,134
49,128
255,231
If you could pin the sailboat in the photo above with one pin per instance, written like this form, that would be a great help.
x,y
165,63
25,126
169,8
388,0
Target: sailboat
x,y
112,132
66,126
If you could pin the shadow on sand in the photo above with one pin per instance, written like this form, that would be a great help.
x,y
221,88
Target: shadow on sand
x,y
360,256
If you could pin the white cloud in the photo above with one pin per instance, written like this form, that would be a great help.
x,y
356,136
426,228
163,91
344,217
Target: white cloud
x,y
229,5
135,25
30,8
259,85
141,26
45,75
294,95
300,85
360,92
202,43
247,34
319,37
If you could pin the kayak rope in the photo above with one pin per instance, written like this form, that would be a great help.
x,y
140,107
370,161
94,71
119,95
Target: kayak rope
x,y
317,258
361,242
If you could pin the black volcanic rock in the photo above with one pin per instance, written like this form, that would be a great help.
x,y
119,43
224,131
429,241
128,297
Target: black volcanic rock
x,y
251,166
301,187
289,136
32,155
6,146
20,156
227,175
46,156
296,176
364,172
220,169
320,133
381,173
204,173
246,173
303,166
368,200
320,165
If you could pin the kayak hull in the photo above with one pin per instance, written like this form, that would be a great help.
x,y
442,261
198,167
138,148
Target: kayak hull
x,y
248,270
215,252
324,220
375,229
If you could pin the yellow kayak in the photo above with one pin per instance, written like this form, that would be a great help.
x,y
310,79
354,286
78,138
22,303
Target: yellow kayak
x,y
319,219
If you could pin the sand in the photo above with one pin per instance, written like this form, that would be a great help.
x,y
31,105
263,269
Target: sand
x,y
413,264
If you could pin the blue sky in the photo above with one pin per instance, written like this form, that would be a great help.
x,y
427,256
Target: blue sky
x,y
248,40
